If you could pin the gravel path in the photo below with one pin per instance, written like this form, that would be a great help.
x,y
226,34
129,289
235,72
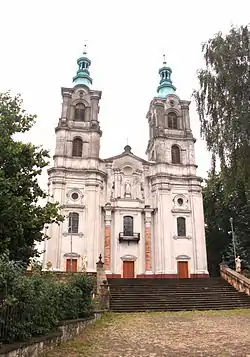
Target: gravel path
x,y
184,334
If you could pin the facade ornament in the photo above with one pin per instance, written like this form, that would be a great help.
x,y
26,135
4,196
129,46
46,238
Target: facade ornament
x,y
84,263
127,190
112,190
100,263
238,264
142,191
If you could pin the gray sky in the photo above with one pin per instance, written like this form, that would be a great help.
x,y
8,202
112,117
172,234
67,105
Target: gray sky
x,y
41,41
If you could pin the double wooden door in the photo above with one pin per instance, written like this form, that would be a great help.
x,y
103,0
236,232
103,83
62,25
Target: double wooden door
x,y
74,265
182,269
128,269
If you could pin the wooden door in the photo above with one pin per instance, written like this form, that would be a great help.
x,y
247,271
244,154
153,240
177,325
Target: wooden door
x,y
128,269
74,265
183,269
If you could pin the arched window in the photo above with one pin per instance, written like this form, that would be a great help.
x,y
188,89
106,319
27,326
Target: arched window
x,y
128,225
172,121
176,156
77,147
79,112
153,156
73,222
181,227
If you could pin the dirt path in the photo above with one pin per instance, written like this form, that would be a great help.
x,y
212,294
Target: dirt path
x,y
188,334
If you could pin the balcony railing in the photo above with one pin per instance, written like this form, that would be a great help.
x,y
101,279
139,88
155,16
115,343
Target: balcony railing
x,y
129,238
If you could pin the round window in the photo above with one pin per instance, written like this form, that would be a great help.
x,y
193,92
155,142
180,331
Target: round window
x,y
180,201
74,195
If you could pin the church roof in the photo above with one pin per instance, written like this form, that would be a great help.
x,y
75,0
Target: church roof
x,y
127,152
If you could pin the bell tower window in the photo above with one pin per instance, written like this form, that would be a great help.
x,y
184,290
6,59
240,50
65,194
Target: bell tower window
x,y
176,155
172,121
77,147
79,112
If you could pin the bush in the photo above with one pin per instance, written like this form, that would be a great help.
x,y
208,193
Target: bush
x,y
34,305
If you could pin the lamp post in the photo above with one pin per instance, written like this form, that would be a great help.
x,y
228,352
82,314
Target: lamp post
x,y
233,237
45,246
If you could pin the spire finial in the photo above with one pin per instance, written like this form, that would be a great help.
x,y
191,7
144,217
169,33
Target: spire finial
x,y
85,48
82,75
166,87
127,141
164,59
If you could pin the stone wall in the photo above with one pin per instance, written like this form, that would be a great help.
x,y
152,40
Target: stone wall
x,y
43,344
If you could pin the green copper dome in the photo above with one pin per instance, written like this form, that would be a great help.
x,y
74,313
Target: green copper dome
x,y
82,75
166,87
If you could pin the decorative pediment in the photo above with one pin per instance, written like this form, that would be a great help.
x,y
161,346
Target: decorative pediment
x,y
72,255
128,257
182,257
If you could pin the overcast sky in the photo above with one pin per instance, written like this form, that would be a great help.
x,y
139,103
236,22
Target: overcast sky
x,y
41,41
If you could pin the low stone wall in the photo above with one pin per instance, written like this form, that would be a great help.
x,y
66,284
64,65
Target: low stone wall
x,y
238,281
38,346
59,275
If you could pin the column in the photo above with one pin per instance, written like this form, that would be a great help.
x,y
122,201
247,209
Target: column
x,y
199,242
107,240
65,106
94,105
93,215
148,241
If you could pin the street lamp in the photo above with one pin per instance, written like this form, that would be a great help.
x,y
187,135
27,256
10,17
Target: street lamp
x,y
45,246
233,237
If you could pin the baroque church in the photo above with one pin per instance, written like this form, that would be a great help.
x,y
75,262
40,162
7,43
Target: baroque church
x,y
145,217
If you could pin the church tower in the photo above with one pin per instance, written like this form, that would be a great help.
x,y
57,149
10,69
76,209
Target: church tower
x,y
179,233
76,180
78,132
169,125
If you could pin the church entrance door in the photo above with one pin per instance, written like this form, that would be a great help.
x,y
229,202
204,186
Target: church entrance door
x,y
74,265
128,269
182,269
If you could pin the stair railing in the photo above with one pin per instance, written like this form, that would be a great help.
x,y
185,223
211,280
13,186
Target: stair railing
x,y
238,281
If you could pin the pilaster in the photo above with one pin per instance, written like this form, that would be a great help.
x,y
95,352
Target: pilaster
x,y
107,239
65,106
148,241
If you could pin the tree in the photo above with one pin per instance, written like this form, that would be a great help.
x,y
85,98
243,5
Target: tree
x,y
223,106
223,98
217,224
21,218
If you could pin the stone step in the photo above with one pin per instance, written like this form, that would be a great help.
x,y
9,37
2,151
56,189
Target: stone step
x,y
193,308
167,298
159,290
181,304
172,293
131,295
165,281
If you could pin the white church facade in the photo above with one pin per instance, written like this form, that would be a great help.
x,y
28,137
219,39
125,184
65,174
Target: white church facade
x,y
145,217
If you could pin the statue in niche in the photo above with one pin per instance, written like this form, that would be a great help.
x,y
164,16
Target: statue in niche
x,y
127,189
119,191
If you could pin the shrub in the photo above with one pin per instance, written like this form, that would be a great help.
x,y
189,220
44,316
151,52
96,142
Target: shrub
x,y
34,305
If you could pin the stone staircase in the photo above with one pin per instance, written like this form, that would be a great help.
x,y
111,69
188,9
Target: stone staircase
x,y
147,294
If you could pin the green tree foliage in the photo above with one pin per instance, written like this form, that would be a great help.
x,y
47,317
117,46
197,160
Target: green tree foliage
x,y
223,105
21,217
218,209
34,305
